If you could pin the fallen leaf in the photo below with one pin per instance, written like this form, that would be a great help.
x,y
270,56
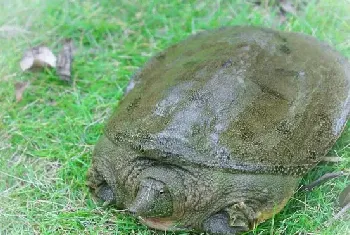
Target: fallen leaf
x,y
65,59
20,87
38,57
288,7
344,198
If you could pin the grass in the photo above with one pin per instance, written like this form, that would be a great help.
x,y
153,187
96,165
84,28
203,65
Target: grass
x,y
47,138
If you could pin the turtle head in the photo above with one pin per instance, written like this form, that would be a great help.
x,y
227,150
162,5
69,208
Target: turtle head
x,y
153,199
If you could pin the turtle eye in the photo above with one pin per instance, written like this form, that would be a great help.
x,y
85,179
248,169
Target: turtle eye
x,y
161,191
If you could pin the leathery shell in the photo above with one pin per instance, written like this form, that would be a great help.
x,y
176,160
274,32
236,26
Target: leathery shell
x,y
240,99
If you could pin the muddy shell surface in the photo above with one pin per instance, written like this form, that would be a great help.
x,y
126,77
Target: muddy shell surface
x,y
242,99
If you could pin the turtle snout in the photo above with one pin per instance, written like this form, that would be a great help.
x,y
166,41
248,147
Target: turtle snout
x,y
152,200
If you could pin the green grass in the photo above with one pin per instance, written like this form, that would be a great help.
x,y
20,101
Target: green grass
x,y
46,140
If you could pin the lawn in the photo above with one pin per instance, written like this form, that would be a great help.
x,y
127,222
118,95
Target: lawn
x,y
47,138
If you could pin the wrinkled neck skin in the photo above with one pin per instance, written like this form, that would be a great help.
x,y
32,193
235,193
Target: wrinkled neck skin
x,y
196,197
196,192
199,193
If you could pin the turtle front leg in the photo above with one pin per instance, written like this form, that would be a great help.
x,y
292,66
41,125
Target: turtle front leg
x,y
99,187
105,193
220,224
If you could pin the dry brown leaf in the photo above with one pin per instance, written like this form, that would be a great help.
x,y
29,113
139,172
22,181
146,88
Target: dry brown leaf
x,y
20,87
38,57
65,59
288,7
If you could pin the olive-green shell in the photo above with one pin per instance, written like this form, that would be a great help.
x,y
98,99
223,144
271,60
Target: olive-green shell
x,y
243,99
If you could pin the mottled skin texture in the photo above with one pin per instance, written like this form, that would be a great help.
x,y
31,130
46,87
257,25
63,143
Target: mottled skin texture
x,y
215,132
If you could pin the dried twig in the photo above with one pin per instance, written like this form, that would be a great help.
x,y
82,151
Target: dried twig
x,y
339,215
332,159
322,180
344,197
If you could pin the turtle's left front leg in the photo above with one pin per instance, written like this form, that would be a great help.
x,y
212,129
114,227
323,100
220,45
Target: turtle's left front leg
x,y
99,187
221,223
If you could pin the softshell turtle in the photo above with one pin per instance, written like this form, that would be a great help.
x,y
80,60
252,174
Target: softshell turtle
x,y
215,132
